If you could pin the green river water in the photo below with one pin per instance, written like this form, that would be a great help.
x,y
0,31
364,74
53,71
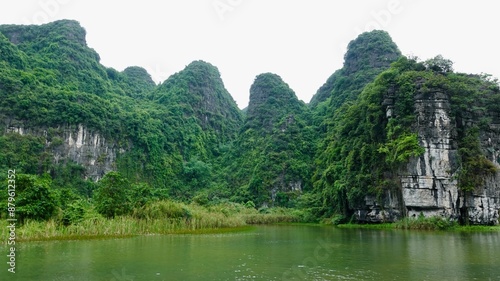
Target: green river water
x,y
280,252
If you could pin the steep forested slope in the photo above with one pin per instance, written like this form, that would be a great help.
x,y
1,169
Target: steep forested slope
x,y
366,57
51,83
200,119
368,150
269,162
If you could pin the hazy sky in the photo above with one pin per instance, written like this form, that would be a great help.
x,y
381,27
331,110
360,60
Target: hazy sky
x,y
302,41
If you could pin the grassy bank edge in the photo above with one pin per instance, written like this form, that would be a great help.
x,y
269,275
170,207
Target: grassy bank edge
x,y
207,223
158,218
121,236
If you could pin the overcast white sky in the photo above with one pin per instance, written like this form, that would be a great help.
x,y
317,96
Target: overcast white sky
x,y
303,41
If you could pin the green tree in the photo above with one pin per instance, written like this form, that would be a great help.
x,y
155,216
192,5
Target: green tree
x,y
439,64
197,174
398,151
34,197
74,212
111,197
141,193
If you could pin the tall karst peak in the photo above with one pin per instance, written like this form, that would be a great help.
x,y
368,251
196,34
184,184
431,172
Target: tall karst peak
x,y
270,99
138,74
269,160
60,47
135,81
366,57
199,91
370,50
70,30
202,81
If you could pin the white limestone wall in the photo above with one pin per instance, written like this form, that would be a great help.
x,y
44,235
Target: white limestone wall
x,y
80,145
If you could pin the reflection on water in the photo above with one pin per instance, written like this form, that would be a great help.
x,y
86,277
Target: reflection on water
x,y
267,253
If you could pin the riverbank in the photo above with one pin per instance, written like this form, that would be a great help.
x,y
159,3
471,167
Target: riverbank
x,y
171,217
422,223
162,217
458,228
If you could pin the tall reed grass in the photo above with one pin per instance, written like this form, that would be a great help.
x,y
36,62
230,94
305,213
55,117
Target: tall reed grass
x,y
161,217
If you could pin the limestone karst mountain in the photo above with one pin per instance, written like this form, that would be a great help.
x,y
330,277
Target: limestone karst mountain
x,y
270,162
385,137
418,140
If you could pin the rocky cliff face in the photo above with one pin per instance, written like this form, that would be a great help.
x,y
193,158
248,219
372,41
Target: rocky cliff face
x,y
484,204
429,183
76,144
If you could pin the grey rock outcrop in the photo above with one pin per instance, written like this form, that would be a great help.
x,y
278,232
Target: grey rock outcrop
x,y
430,186
484,204
429,183
79,145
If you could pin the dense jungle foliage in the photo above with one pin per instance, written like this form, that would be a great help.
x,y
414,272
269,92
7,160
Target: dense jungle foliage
x,y
186,139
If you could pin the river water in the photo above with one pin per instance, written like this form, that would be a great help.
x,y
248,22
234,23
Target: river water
x,y
279,252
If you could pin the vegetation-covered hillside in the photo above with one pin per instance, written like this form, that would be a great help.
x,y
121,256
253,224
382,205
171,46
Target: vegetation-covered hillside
x,y
186,139
369,145
366,57
168,134
270,162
